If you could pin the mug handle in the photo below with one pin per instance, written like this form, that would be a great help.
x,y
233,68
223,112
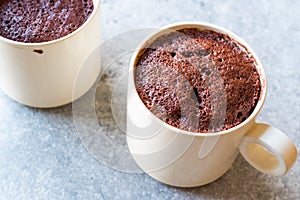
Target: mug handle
x,y
268,150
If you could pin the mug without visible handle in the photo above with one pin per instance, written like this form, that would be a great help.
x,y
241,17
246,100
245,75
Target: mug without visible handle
x,y
43,74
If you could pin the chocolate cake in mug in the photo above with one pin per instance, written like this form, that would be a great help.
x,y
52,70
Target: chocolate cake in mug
x,y
42,21
175,77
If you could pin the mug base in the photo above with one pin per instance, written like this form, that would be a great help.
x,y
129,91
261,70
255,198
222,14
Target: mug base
x,y
156,177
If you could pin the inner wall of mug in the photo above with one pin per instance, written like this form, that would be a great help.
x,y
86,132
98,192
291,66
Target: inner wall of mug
x,y
16,43
204,26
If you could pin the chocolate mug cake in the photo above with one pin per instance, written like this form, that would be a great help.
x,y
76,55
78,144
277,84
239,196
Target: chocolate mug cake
x,y
176,74
42,21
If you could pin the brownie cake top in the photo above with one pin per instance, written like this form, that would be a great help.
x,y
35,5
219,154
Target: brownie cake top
x,y
44,20
198,80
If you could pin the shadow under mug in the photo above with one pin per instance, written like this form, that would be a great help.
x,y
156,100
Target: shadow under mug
x,y
43,74
186,159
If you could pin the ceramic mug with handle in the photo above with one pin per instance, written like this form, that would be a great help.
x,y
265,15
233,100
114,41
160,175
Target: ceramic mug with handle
x,y
187,159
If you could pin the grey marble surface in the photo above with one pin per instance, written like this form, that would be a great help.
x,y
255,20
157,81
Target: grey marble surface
x,y
45,153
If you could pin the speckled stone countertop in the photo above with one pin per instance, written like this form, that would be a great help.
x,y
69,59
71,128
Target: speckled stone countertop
x,y
48,154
